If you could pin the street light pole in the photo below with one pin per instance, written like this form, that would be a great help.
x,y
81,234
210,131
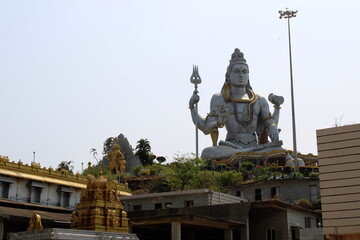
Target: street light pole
x,y
290,14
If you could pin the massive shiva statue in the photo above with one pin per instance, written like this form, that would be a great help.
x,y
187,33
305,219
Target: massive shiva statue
x,y
244,114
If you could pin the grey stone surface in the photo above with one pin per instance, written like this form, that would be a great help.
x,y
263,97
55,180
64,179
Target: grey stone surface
x,y
58,233
245,115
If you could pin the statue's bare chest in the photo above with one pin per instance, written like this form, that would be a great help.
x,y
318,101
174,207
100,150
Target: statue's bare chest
x,y
242,116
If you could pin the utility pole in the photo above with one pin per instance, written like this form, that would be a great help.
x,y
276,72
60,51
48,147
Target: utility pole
x,y
287,15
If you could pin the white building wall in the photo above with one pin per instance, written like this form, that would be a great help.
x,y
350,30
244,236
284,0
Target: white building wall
x,y
22,191
297,218
19,190
290,190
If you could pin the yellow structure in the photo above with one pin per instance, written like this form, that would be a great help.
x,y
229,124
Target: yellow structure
x,y
100,208
116,159
35,222
35,172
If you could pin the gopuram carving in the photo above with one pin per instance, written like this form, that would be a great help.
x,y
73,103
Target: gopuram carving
x,y
100,208
244,114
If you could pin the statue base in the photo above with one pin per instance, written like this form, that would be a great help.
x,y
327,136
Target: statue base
x,y
62,234
280,157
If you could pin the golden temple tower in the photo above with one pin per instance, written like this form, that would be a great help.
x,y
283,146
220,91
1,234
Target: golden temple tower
x,y
100,208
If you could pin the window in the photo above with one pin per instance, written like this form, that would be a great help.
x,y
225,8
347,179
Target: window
x,y
275,192
168,205
137,207
4,189
64,196
270,234
35,191
65,199
240,193
158,205
258,194
308,222
35,195
189,203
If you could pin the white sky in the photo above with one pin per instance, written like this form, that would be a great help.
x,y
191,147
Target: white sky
x,y
73,73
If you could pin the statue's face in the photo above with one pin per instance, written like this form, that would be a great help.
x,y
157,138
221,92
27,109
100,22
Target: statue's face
x,y
239,75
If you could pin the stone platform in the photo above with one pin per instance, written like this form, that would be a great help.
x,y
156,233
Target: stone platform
x,y
70,234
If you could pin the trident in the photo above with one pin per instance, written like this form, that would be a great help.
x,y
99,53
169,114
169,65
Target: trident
x,y
196,79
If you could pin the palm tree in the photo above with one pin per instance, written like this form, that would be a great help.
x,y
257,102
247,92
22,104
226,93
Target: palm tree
x,y
107,145
143,151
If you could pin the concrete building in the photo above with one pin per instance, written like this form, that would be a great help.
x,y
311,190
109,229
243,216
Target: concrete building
x,y
191,214
339,161
179,199
286,190
203,214
275,220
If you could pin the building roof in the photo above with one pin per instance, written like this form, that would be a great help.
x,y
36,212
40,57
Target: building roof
x,y
27,213
177,193
280,204
32,206
167,194
25,210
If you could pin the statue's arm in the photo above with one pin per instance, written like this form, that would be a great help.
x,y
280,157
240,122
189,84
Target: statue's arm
x,y
198,120
207,124
268,120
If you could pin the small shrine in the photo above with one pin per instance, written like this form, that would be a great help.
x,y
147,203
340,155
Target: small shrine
x,y
100,208
35,222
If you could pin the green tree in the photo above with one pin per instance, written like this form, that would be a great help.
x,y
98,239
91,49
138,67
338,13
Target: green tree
x,y
205,179
229,178
182,172
67,165
143,150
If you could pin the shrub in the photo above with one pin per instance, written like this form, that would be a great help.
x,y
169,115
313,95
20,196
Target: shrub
x,y
304,203
247,166
136,170
314,175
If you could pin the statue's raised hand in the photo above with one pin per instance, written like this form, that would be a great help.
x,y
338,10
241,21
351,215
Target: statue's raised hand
x,y
195,98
